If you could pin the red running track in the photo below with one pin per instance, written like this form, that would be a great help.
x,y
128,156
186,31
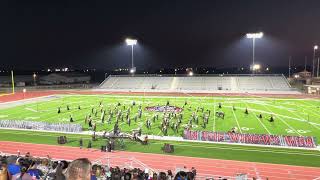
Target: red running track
x,y
204,166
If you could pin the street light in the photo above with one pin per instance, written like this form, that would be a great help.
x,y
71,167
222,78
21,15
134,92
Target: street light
x,y
314,57
131,42
254,36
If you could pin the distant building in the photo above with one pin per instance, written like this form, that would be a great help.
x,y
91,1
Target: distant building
x,y
302,75
19,80
64,78
312,89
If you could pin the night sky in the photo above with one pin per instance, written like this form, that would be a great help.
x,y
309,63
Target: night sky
x,y
198,33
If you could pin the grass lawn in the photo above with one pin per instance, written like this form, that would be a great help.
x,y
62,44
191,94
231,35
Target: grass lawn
x,y
217,151
298,117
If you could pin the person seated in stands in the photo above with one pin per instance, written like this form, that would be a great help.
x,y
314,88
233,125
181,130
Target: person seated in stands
x,y
4,174
13,165
79,169
23,175
34,171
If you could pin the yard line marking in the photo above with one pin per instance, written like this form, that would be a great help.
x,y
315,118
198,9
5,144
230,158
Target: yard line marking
x,y
301,117
30,109
255,115
235,117
284,122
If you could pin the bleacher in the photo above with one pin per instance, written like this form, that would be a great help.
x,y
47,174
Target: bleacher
x,y
197,83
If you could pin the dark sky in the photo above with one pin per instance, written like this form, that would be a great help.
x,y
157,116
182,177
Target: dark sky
x,y
37,34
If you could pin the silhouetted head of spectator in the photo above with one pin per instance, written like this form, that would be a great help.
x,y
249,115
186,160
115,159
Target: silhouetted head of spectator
x,y
28,155
79,169
162,176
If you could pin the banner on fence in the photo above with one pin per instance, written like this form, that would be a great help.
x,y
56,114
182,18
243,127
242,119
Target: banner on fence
x,y
263,139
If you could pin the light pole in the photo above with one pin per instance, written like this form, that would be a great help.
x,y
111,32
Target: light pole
x,y
254,36
34,78
314,58
131,42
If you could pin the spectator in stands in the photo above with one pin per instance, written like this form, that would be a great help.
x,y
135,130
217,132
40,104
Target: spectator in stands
x,y
79,169
4,174
33,171
14,166
23,175
43,166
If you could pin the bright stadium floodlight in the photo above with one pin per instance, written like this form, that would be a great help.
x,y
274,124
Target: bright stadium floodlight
x,y
132,71
254,36
190,73
315,47
256,67
131,42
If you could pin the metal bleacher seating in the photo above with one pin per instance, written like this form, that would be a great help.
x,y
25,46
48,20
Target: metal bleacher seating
x,y
197,83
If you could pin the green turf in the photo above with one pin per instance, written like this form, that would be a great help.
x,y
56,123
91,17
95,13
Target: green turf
x,y
217,151
297,117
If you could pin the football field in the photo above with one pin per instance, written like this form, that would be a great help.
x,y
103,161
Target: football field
x,y
298,117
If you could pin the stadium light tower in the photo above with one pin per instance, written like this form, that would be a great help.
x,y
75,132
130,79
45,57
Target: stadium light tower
x,y
131,42
254,36
315,48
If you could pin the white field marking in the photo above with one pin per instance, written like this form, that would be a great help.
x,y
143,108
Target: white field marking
x,y
317,115
249,150
246,128
30,109
235,117
285,122
214,116
284,99
3,116
267,112
48,134
301,117
31,100
268,104
53,101
31,118
255,115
